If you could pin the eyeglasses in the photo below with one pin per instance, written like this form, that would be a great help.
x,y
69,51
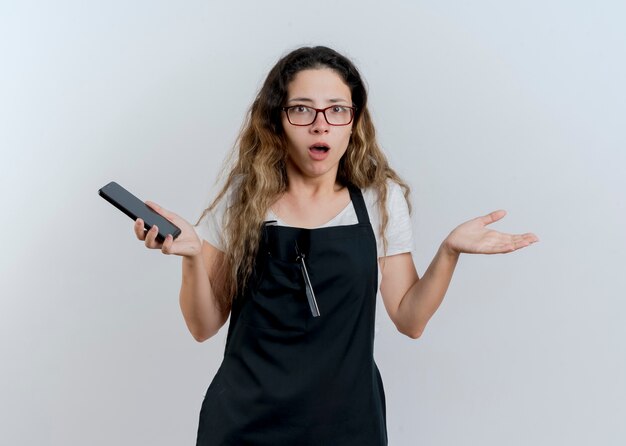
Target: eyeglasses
x,y
334,115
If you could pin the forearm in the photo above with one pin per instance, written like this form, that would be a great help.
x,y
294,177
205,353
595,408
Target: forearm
x,y
197,301
424,297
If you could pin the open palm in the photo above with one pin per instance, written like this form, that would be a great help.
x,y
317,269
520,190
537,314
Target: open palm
x,y
473,237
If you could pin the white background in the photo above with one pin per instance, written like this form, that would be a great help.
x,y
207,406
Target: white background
x,y
479,105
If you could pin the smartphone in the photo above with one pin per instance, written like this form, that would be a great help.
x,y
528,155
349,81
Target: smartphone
x,y
135,208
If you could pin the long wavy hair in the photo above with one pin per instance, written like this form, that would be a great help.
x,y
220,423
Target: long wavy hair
x,y
256,172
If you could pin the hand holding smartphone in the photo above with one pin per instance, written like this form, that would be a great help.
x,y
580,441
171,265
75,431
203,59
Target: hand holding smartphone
x,y
135,208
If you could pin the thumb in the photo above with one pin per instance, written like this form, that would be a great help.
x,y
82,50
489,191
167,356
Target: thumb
x,y
493,216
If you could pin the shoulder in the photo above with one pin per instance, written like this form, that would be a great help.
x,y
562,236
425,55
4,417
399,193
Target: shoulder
x,y
211,225
396,205
398,231
395,195
229,197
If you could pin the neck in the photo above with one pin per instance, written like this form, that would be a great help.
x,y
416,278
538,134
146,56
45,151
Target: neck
x,y
312,187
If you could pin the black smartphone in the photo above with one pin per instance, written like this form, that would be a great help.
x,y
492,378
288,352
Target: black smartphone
x,y
135,208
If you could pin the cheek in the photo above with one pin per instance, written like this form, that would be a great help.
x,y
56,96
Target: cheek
x,y
346,138
346,142
284,121
289,135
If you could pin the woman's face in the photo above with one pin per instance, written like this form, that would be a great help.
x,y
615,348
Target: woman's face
x,y
317,88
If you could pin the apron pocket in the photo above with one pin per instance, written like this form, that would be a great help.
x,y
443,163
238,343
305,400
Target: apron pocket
x,y
278,301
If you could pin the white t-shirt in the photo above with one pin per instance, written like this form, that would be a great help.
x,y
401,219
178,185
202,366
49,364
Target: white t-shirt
x,y
399,232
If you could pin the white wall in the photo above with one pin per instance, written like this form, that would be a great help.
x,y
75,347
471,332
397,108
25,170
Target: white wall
x,y
480,105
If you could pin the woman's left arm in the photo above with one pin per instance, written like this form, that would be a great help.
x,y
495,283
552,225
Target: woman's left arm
x,y
411,301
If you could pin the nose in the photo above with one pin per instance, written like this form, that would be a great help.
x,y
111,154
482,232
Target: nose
x,y
320,125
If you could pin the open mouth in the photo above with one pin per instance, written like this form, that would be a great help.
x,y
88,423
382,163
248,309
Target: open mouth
x,y
319,148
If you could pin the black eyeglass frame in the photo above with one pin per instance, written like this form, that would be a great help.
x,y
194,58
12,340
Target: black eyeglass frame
x,y
322,111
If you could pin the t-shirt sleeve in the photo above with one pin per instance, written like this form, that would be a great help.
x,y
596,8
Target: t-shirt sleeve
x,y
210,227
399,230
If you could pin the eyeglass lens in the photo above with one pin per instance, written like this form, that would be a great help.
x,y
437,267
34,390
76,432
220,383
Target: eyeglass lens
x,y
335,115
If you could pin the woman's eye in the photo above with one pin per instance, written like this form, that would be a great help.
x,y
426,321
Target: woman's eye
x,y
300,109
339,109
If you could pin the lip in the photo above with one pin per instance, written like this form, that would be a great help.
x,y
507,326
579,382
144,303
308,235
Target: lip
x,y
318,156
319,144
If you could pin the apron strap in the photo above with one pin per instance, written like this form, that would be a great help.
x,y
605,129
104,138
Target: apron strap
x,y
359,204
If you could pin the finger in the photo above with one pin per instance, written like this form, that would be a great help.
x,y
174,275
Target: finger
x,y
151,238
531,237
493,216
518,241
140,232
167,247
508,247
522,240
515,238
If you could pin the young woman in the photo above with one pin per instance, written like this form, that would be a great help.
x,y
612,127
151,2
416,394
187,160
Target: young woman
x,y
310,224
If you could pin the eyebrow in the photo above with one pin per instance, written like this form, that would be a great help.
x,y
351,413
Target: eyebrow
x,y
332,101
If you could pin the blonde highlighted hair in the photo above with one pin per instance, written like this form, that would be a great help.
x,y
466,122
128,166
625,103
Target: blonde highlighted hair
x,y
257,164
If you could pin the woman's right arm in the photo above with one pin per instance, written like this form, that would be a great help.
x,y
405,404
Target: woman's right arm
x,y
202,274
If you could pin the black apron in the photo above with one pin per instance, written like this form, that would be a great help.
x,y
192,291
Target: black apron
x,y
289,378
